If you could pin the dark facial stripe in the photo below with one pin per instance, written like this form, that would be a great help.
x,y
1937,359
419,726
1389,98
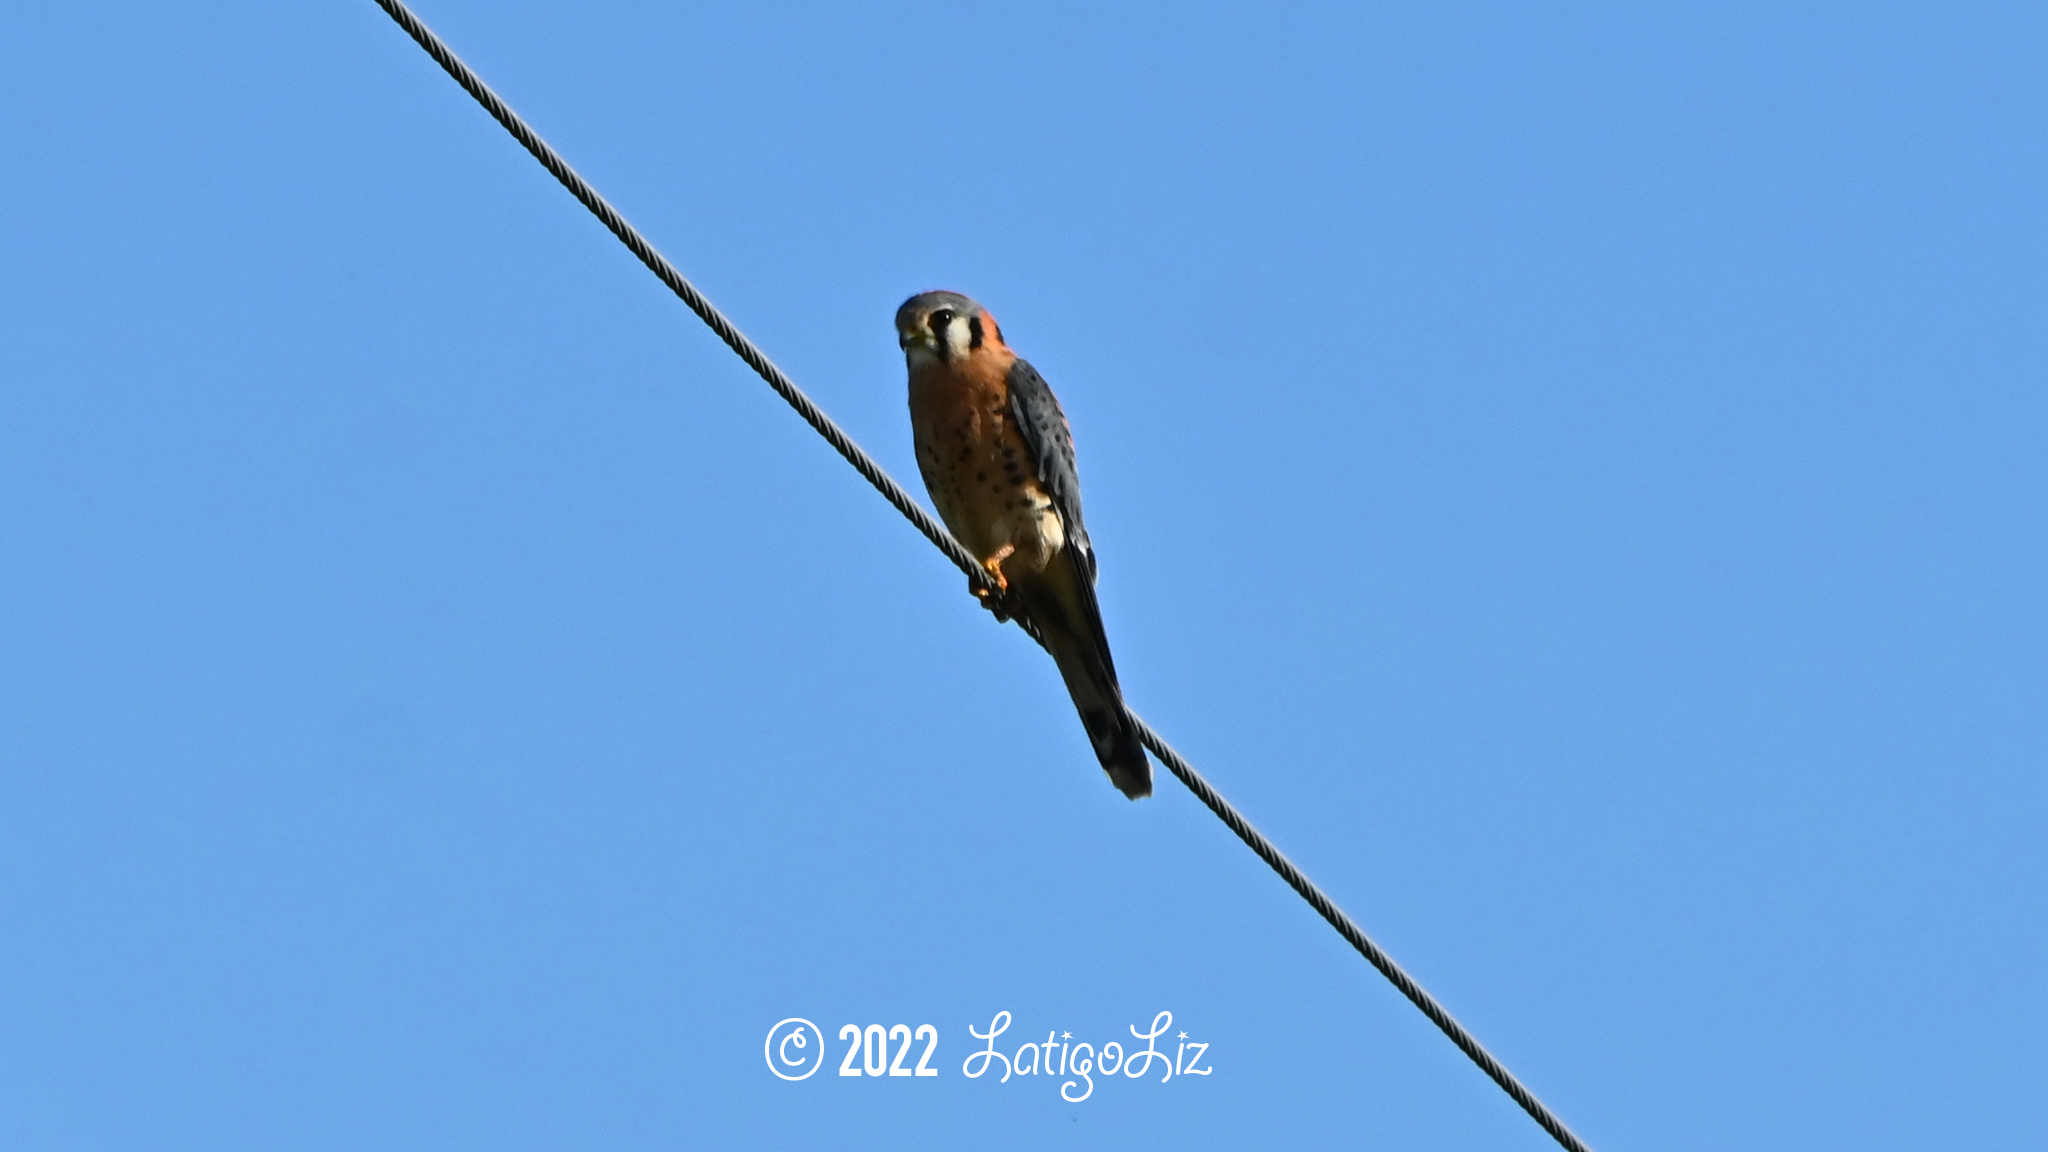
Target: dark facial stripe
x,y
974,332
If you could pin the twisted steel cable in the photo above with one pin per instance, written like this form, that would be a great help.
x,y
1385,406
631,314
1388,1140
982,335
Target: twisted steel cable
x,y
681,286
943,540
1349,929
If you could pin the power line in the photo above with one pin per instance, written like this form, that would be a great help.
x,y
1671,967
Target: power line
x,y
943,540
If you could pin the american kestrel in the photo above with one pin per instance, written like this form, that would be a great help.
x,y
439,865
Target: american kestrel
x,y
998,461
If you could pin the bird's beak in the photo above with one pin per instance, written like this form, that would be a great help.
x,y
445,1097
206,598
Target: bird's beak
x,y
908,338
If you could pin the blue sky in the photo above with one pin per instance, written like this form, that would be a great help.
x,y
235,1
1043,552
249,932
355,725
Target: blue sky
x,y
1572,474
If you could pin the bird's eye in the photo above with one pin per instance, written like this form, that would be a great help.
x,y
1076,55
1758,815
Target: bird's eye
x,y
941,320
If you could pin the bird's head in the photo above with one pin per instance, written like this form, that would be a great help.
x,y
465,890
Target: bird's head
x,y
945,327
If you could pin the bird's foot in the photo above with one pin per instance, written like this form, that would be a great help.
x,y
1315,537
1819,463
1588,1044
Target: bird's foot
x,y
995,596
1000,604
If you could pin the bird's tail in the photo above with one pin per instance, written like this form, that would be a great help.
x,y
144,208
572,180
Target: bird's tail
x,y
1070,625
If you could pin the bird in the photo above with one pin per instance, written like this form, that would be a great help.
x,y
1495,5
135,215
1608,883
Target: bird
x,y
997,457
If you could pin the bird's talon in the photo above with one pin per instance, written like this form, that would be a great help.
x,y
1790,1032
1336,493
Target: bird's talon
x,y
997,600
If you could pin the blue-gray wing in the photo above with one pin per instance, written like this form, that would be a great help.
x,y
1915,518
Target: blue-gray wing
x,y
1051,445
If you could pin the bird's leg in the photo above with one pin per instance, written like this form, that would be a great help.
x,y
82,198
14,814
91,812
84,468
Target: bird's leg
x,y
996,599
